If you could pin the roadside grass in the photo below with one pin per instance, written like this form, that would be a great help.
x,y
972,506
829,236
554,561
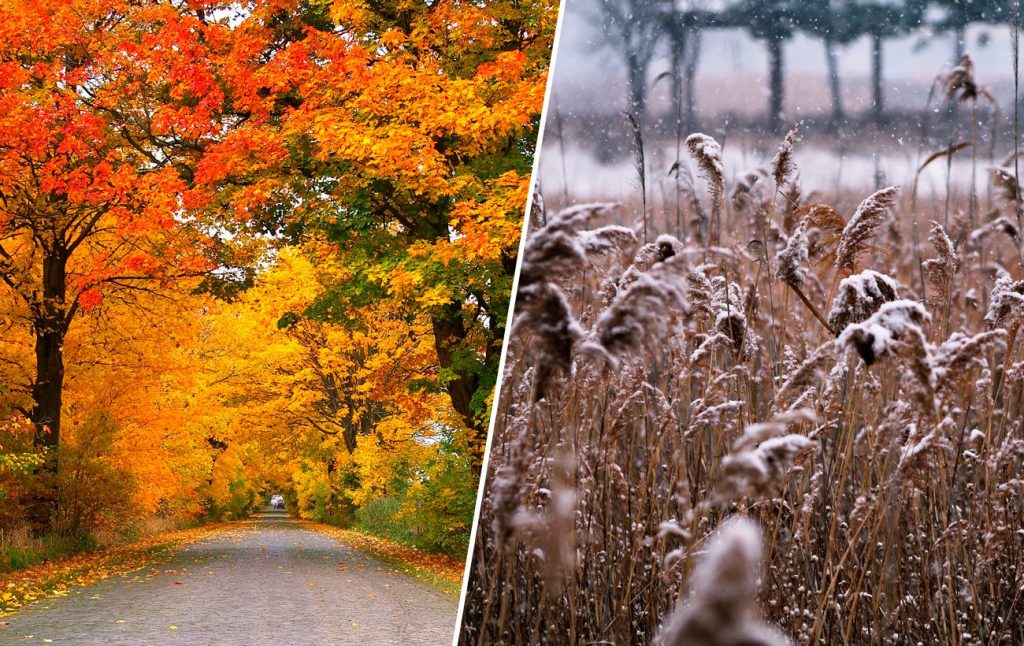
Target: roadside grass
x,y
441,571
57,576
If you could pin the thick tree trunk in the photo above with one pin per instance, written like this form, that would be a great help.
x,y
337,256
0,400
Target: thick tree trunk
x,y
776,89
877,98
832,60
50,325
452,354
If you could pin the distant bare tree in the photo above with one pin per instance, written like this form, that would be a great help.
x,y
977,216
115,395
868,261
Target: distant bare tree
x,y
881,20
684,25
772,21
830,21
632,30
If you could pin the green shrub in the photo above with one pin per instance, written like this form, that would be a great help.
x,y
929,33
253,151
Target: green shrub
x,y
439,509
379,517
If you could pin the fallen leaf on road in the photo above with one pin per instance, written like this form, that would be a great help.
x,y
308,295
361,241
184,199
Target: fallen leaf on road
x,y
177,583
173,627
56,578
119,621
4,623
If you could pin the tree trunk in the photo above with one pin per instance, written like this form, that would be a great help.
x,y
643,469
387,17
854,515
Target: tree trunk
x,y
50,325
449,336
877,98
776,98
690,105
677,42
959,34
832,60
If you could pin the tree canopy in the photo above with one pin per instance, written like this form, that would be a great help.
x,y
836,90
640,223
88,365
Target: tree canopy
x,y
261,242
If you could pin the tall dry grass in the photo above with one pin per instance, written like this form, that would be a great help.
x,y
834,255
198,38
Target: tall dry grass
x,y
858,401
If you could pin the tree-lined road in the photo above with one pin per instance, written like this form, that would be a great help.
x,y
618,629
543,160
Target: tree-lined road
x,y
268,581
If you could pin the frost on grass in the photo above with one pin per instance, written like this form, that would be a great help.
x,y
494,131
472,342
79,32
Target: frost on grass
x,y
721,609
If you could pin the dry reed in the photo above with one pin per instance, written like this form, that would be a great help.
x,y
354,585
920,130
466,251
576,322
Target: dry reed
x,y
872,479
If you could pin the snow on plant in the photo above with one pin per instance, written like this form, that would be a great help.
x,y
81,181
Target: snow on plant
x,y
875,445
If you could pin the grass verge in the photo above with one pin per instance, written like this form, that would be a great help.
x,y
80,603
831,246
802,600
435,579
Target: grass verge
x,y
441,571
24,587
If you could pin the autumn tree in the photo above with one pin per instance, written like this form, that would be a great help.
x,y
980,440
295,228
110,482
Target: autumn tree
x,y
406,140
103,104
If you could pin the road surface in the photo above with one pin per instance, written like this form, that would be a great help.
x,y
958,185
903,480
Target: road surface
x,y
267,581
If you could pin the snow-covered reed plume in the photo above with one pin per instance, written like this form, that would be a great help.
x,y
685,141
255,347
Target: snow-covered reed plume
x,y
701,292
859,296
806,375
939,271
721,609
727,302
790,261
756,469
1007,305
551,253
1004,184
783,166
752,190
895,323
608,240
646,310
959,354
865,223
998,225
544,311
960,85
708,155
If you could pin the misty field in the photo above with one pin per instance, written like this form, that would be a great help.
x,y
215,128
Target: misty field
x,y
786,422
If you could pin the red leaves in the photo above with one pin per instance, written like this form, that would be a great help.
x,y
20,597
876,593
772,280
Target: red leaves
x,y
89,299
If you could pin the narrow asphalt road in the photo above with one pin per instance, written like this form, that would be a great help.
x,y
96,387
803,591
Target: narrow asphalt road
x,y
268,581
